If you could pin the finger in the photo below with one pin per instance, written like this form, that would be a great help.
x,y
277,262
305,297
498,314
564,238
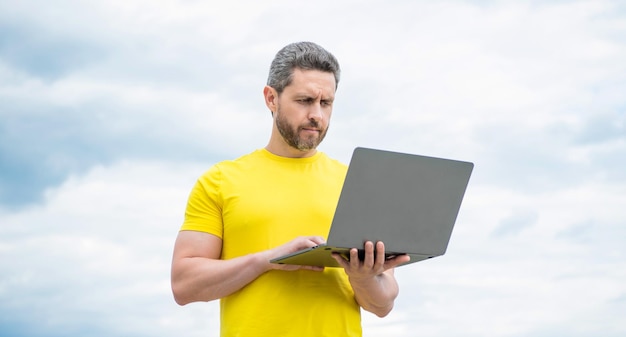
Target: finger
x,y
369,254
313,268
380,253
308,241
341,260
318,240
354,258
396,261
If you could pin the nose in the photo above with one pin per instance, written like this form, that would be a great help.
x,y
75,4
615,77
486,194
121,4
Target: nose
x,y
315,112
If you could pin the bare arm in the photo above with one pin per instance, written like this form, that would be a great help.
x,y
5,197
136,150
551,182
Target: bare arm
x,y
375,287
198,273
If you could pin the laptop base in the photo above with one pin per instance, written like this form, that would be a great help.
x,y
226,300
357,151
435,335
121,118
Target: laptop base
x,y
321,256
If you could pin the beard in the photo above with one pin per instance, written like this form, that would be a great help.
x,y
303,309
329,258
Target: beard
x,y
291,133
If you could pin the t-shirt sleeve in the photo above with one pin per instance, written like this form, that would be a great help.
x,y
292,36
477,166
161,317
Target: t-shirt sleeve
x,y
204,207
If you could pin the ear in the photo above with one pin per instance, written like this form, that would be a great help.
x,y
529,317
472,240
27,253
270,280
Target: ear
x,y
271,98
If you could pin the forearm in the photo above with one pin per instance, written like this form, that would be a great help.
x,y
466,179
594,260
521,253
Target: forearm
x,y
200,274
376,295
202,279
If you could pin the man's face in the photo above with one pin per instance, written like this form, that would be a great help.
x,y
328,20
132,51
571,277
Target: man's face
x,y
304,108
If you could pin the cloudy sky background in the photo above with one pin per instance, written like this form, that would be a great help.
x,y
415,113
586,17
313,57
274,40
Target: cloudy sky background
x,y
110,110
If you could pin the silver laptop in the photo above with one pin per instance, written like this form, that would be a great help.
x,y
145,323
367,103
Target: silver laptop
x,y
409,202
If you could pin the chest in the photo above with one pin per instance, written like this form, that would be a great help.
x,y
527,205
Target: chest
x,y
268,208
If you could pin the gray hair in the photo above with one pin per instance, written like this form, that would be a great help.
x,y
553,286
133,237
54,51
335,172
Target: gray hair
x,y
301,55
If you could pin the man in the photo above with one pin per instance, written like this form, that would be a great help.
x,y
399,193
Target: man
x,y
272,202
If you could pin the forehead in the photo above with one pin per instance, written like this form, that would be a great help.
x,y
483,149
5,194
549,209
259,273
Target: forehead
x,y
312,81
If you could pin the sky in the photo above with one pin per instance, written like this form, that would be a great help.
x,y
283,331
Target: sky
x,y
110,111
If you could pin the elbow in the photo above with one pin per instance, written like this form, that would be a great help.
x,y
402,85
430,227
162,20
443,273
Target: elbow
x,y
382,311
179,295
180,301
183,295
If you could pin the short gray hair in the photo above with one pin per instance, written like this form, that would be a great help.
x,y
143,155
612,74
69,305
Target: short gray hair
x,y
301,55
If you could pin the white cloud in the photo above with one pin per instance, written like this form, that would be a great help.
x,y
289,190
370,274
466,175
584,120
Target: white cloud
x,y
531,92
97,253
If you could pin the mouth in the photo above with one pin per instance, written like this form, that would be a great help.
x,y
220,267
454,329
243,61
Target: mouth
x,y
310,129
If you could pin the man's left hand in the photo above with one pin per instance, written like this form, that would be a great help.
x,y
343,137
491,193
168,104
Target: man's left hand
x,y
373,264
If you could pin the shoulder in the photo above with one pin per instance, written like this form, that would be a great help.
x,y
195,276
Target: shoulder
x,y
332,163
225,166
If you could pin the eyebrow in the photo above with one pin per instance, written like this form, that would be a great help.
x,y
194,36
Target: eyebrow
x,y
313,97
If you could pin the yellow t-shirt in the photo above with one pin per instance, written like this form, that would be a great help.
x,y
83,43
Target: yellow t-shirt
x,y
260,201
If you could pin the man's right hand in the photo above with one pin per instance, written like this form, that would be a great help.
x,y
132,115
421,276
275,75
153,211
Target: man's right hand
x,y
299,243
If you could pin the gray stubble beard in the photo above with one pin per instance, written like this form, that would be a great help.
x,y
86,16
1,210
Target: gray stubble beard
x,y
291,134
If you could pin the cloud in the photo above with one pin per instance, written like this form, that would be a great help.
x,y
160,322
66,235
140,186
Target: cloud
x,y
100,246
51,130
515,223
161,62
110,110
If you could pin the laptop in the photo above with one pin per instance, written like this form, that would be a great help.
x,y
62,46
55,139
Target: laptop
x,y
409,202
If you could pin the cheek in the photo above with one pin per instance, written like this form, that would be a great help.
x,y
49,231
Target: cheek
x,y
294,109
327,114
